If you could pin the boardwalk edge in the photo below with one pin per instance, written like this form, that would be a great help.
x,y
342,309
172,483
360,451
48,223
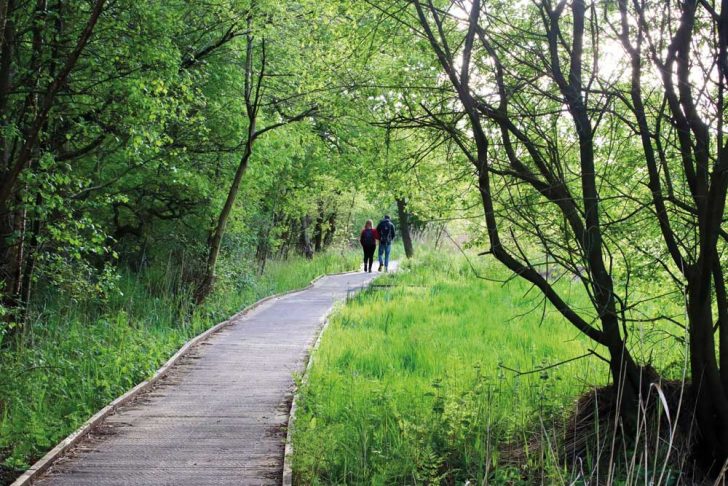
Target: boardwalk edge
x,y
288,452
43,464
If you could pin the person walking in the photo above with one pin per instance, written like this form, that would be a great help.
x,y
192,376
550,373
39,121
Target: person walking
x,y
386,232
368,240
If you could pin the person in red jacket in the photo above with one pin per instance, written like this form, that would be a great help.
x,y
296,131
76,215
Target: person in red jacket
x,y
368,240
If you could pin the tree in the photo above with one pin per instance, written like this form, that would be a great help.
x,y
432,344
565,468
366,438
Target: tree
x,y
404,227
680,128
253,95
546,129
20,138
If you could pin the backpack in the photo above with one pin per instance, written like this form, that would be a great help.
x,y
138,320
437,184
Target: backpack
x,y
386,231
367,237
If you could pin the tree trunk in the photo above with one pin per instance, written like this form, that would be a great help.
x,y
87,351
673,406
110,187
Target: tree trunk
x,y
32,133
709,392
252,93
304,240
208,279
6,59
330,230
4,4
404,227
290,226
30,259
13,232
261,250
318,231
6,212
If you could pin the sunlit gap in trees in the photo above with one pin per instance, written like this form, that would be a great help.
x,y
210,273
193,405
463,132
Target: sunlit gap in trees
x,y
608,60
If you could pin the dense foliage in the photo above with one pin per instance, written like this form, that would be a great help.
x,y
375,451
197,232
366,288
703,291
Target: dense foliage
x,y
199,141
123,128
594,136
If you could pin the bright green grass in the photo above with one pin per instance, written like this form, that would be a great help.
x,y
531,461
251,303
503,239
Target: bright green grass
x,y
77,358
407,386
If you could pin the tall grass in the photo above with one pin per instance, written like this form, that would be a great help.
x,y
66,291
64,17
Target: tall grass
x,y
75,358
417,380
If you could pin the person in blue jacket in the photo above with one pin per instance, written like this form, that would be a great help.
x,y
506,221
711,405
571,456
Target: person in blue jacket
x,y
386,232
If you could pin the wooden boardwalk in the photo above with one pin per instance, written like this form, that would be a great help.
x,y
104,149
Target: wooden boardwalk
x,y
219,416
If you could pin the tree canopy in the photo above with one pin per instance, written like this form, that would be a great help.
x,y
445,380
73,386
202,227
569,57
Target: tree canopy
x,y
567,139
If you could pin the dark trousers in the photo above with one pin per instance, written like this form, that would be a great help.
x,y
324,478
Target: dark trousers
x,y
368,257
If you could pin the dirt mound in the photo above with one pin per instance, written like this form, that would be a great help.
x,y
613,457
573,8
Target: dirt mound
x,y
593,443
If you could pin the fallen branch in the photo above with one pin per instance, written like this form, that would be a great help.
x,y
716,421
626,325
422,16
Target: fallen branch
x,y
544,368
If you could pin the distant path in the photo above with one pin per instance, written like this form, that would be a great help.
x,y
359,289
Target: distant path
x,y
219,416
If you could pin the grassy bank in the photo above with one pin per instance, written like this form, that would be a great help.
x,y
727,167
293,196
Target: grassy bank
x,y
415,381
77,357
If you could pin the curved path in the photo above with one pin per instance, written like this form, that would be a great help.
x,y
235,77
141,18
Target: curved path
x,y
219,416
